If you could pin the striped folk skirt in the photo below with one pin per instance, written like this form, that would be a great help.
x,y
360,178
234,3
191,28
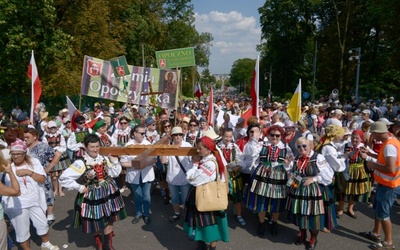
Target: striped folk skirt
x,y
237,186
311,207
358,185
338,187
267,189
101,205
204,226
61,165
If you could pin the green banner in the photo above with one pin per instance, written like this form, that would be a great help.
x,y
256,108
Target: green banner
x,y
119,66
174,58
99,80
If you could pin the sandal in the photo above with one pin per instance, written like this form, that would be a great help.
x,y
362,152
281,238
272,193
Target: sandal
x,y
369,235
381,246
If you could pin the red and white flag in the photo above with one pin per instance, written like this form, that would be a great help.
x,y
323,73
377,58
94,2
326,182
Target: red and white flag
x,y
210,113
36,89
254,89
197,91
73,112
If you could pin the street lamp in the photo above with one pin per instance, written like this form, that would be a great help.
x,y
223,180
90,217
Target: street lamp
x,y
270,82
358,58
314,69
151,61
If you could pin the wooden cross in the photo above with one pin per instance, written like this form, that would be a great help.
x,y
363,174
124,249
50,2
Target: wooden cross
x,y
146,154
151,91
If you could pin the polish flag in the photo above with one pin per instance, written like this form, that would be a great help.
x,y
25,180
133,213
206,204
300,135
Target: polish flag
x,y
254,89
197,91
73,112
210,113
36,87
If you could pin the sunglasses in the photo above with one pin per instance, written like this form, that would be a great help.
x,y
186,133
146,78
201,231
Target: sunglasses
x,y
275,135
167,126
123,123
142,133
252,131
67,122
302,146
53,127
81,123
178,134
193,125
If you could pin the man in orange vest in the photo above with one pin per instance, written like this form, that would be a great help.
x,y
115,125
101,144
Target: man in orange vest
x,y
387,174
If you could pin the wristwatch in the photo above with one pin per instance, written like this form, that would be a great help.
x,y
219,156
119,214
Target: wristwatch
x,y
315,179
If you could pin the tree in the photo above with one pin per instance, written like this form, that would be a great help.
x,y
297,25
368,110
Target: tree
x,y
26,26
242,73
288,26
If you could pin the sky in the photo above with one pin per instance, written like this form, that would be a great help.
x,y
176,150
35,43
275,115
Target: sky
x,y
235,26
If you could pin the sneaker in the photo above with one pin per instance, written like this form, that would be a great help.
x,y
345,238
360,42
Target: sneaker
x,y
146,220
136,219
174,218
241,221
49,246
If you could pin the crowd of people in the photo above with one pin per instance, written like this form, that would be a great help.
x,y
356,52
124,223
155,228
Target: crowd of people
x,y
306,170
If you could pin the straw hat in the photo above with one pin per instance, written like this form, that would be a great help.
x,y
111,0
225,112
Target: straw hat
x,y
378,127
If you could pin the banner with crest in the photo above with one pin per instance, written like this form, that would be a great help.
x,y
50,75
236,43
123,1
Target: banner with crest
x,y
141,86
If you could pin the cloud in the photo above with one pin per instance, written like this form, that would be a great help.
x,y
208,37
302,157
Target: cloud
x,y
235,37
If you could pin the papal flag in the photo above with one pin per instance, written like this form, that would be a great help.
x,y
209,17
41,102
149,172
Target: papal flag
x,y
294,108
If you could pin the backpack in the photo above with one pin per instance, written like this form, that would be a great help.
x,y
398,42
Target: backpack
x,y
374,115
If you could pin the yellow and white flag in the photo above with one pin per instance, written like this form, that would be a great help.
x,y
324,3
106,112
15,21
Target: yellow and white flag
x,y
294,108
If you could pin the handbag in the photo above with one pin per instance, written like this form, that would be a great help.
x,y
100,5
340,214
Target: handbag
x,y
212,196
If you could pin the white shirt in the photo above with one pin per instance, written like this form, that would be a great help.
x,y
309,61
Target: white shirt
x,y
175,175
336,162
70,175
32,192
249,160
133,175
203,173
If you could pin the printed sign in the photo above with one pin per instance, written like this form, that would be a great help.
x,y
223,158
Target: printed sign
x,y
99,80
170,59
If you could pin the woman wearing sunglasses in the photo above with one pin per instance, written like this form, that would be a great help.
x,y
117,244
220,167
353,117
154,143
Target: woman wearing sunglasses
x,y
267,188
308,181
166,128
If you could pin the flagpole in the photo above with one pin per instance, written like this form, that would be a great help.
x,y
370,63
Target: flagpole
x,y
32,96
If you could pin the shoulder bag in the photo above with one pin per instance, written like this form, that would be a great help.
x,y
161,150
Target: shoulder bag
x,y
212,196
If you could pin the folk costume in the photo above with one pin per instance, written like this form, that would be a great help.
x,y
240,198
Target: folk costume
x,y
102,203
121,136
57,142
311,207
75,142
337,162
267,187
205,226
357,186
231,153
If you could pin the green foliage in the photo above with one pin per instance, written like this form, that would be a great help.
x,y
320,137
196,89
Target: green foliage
x,y
291,27
242,73
61,32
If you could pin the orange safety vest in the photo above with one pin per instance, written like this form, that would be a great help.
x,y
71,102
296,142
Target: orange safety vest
x,y
391,180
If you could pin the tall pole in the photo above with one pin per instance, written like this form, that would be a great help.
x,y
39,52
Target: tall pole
x,y
270,83
314,71
358,71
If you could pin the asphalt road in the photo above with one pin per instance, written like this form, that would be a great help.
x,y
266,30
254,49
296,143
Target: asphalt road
x,y
161,234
